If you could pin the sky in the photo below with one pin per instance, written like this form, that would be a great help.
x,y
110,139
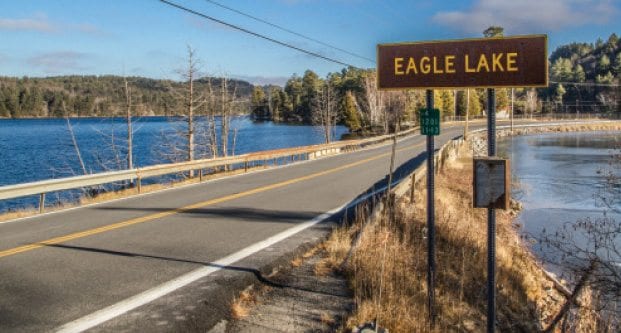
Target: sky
x,y
149,38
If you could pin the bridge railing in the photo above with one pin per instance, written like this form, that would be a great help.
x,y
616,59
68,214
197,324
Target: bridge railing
x,y
136,175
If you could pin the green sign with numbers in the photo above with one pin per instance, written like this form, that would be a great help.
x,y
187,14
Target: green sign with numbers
x,y
429,121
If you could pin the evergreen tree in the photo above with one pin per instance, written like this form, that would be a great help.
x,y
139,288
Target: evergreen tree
x,y
502,99
617,66
351,119
608,78
258,103
494,31
294,89
475,104
579,75
311,84
559,92
603,64
561,70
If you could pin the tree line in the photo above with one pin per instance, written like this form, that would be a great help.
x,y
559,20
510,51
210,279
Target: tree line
x,y
98,96
582,78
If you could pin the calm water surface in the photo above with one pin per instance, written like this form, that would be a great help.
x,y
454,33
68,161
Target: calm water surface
x,y
38,149
560,178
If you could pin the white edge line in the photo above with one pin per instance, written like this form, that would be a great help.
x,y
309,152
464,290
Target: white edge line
x,y
124,306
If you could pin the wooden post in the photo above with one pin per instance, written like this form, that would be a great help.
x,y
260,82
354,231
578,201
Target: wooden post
x,y
139,184
41,203
413,188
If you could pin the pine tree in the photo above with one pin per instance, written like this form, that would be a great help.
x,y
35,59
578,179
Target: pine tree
x,y
559,92
351,118
259,104
502,99
604,64
617,66
579,75
475,103
494,31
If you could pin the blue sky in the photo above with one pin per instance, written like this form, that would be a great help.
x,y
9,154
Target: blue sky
x,y
149,38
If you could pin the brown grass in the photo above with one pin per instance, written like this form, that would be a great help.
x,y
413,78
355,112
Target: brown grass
x,y
337,247
297,262
391,257
240,307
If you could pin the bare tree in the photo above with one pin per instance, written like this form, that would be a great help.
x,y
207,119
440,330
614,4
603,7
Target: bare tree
x,y
324,111
375,102
589,249
531,101
130,133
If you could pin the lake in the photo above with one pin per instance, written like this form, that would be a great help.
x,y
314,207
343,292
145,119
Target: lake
x,y
561,179
39,149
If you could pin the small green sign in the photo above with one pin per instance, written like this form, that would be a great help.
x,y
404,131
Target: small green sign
x,y
429,121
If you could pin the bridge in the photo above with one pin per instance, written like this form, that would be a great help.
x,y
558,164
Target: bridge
x,y
172,260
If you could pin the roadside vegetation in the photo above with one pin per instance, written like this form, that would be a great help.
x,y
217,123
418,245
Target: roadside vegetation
x,y
387,269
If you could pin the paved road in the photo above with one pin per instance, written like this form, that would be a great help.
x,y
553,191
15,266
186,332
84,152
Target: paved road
x,y
60,267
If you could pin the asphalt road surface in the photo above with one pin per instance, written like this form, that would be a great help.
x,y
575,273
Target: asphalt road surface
x,y
90,266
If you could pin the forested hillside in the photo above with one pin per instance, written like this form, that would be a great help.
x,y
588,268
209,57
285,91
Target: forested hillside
x,y
85,96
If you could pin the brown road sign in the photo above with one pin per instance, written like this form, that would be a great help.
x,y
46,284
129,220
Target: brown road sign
x,y
519,61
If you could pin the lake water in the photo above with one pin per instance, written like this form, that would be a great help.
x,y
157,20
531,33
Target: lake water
x,y
38,149
562,178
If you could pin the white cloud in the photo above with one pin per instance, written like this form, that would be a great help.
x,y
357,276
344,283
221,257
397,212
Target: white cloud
x,y
59,62
529,16
30,24
40,23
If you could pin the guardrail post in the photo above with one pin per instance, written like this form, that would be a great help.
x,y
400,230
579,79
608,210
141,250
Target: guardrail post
x,y
139,184
246,166
200,175
41,202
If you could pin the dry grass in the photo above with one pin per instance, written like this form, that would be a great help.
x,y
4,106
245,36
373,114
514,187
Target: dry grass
x,y
327,319
337,247
297,262
240,307
388,269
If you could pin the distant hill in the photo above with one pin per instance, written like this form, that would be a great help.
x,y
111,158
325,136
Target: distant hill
x,y
86,96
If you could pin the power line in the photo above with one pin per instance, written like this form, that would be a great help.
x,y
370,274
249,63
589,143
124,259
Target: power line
x,y
311,53
289,31
588,84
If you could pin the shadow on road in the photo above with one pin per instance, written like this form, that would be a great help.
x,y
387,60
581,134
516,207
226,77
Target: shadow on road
x,y
240,213
257,273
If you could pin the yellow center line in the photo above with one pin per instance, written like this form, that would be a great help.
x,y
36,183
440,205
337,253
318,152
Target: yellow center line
x,y
201,204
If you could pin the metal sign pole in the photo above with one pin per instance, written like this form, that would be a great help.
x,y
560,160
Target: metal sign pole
x,y
431,269
491,217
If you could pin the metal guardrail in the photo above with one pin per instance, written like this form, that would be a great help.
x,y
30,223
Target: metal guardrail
x,y
226,163
293,154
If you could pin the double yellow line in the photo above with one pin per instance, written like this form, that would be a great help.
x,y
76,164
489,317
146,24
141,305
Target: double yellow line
x,y
160,215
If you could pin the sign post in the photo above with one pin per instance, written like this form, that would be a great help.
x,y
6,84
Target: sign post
x,y
519,61
430,126
491,217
